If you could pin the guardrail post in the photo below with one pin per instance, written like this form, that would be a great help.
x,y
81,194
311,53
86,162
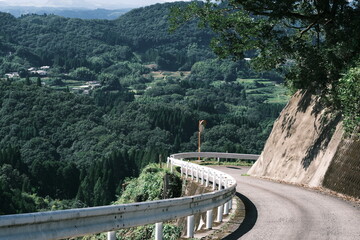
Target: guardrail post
x,y
230,201
192,172
220,213
209,219
169,164
226,208
197,175
111,235
214,181
226,205
190,226
220,182
187,170
207,179
159,231
182,170
202,176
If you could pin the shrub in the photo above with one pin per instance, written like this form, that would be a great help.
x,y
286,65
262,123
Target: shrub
x,y
348,93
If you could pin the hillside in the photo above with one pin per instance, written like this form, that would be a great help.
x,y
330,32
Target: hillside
x,y
308,146
82,13
86,104
67,43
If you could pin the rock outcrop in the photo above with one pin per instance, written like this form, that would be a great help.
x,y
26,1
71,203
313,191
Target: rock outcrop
x,y
307,146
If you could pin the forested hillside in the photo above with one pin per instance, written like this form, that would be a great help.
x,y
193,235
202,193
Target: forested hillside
x,y
67,43
82,13
88,103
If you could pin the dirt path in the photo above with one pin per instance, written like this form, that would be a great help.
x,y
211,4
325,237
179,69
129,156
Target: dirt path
x,y
281,211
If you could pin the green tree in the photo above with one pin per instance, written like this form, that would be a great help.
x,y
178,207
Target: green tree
x,y
109,81
349,98
83,73
307,39
38,82
28,81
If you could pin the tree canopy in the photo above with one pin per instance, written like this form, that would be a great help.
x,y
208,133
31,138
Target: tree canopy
x,y
311,41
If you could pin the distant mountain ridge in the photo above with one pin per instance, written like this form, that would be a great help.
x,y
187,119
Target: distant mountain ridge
x,y
82,13
54,40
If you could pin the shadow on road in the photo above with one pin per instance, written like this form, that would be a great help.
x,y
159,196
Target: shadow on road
x,y
251,215
233,167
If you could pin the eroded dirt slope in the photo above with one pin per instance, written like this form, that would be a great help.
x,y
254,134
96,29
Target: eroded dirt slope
x,y
305,141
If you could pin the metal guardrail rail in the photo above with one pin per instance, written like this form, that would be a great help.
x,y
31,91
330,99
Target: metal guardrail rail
x,y
84,221
253,157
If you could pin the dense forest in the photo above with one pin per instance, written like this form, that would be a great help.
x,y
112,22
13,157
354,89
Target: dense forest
x,y
63,145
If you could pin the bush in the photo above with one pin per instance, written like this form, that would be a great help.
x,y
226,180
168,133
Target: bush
x,y
171,232
149,186
348,93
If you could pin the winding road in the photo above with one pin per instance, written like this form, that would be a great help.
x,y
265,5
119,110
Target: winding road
x,y
281,211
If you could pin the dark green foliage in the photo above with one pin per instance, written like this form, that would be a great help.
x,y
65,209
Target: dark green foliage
x,y
349,99
57,144
38,82
312,42
91,46
17,181
28,81
309,39
104,178
171,51
149,186
83,73
57,82
222,70
52,156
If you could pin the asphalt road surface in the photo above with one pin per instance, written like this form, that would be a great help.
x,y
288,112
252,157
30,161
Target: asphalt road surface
x,y
281,211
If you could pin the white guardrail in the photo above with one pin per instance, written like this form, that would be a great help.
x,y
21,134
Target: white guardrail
x,y
84,221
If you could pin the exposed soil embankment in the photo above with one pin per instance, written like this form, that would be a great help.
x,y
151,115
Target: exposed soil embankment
x,y
306,139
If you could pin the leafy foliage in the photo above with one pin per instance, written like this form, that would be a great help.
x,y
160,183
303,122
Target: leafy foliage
x,y
308,39
349,98
147,187
58,144
88,46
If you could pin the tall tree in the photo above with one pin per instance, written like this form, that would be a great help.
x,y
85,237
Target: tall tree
x,y
38,82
